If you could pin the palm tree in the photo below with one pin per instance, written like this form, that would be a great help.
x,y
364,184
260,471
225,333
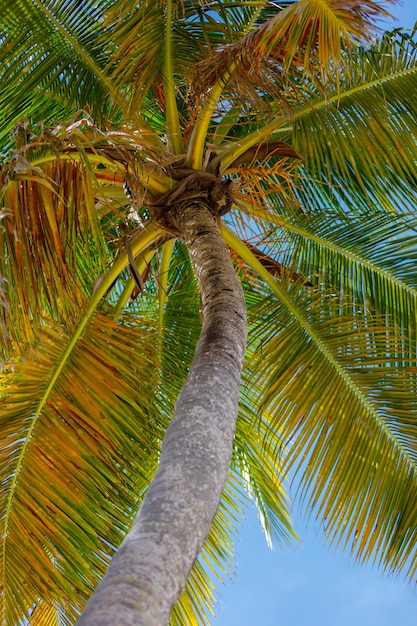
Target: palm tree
x,y
171,162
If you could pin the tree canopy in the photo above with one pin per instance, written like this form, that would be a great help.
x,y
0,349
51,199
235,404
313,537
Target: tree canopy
x,y
298,124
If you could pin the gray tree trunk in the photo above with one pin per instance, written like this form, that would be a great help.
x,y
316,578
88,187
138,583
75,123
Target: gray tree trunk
x,y
150,569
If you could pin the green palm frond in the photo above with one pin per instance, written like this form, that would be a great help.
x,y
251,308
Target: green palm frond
x,y
351,430
107,75
358,415
260,472
340,131
306,37
370,257
49,47
360,141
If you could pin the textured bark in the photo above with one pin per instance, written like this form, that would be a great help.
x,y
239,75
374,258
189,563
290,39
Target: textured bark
x,y
150,570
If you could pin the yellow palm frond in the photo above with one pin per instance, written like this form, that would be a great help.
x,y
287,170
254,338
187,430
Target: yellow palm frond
x,y
64,442
309,36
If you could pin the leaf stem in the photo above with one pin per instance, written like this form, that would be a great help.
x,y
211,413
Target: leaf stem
x,y
172,118
199,134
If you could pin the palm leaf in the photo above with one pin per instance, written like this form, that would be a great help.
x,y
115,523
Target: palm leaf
x,y
260,473
381,146
62,226
369,257
68,489
350,430
306,37
51,47
45,614
326,126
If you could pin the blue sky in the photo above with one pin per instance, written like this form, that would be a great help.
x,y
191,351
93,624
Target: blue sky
x,y
312,584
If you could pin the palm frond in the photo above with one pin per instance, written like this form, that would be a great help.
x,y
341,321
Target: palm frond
x,y
360,142
80,455
45,614
65,218
57,49
370,258
352,116
42,242
378,276
259,470
350,430
140,43
306,37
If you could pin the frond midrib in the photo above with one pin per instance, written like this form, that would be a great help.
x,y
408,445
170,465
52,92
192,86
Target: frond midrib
x,y
338,97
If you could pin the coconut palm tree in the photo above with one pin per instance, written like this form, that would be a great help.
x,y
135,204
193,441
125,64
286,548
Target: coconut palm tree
x,y
189,189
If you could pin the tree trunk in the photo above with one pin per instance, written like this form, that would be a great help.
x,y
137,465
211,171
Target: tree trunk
x,y
150,570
